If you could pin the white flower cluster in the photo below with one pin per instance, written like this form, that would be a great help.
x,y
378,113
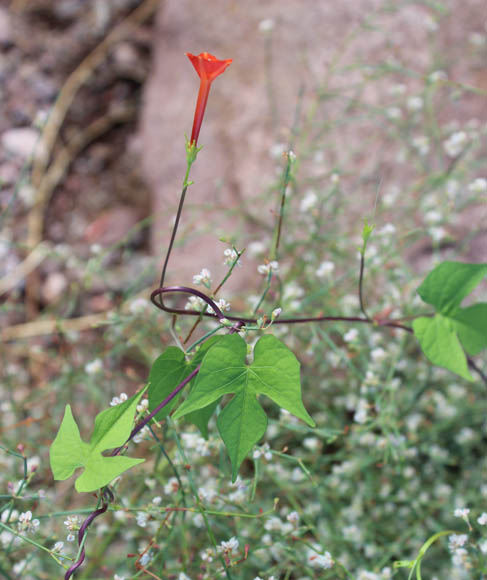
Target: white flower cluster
x,y
457,541
94,367
479,185
117,400
422,144
230,256
195,303
203,278
264,451
26,523
319,560
228,547
222,304
138,306
73,525
264,269
193,442
325,269
455,143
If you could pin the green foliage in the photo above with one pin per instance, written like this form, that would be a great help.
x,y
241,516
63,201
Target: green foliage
x,y
166,373
274,372
366,233
170,369
442,336
112,429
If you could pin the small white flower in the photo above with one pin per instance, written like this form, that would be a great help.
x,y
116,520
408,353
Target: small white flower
x,y
394,113
207,555
142,406
195,303
264,269
256,248
378,354
72,523
141,519
172,486
277,150
94,367
387,230
335,178
421,144
455,143
138,306
360,416
461,513
203,278
397,90
456,541
476,39
276,313
26,523
437,233
309,201
311,443
266,25
273,524
479,185
433,217
145,558
58,546
293,518
228,547
437,76
323,561
265,451
351,335
325,269
183,576
70,538
230,257
482,519
430,23
117,400
415,103
222,304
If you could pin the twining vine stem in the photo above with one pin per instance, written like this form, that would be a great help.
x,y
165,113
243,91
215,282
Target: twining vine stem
x,y
240,322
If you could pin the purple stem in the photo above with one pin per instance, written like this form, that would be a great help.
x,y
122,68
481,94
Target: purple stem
x,y
243,320
153,413
72,569
107,494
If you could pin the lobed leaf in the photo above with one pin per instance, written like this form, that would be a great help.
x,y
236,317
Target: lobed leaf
x,y
167,372
112,428
442,336
449,283
274,372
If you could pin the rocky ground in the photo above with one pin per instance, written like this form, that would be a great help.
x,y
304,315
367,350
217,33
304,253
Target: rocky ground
x,y
118,156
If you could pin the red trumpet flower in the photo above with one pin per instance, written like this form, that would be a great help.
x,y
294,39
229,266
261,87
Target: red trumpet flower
x,y
208,68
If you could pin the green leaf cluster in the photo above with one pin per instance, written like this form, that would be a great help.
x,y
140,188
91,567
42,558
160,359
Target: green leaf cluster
x,y
112,428
274,372
170,369
452,327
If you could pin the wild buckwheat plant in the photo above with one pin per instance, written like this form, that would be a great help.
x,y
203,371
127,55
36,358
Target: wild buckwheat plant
x,y
327,424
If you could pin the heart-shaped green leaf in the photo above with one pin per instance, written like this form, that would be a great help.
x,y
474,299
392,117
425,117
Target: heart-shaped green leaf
x,y
274,372
112,429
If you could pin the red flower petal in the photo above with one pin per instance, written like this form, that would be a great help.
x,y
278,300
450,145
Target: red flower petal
x,y
208,66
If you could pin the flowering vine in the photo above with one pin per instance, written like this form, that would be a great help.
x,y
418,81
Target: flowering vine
x,y
208,68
